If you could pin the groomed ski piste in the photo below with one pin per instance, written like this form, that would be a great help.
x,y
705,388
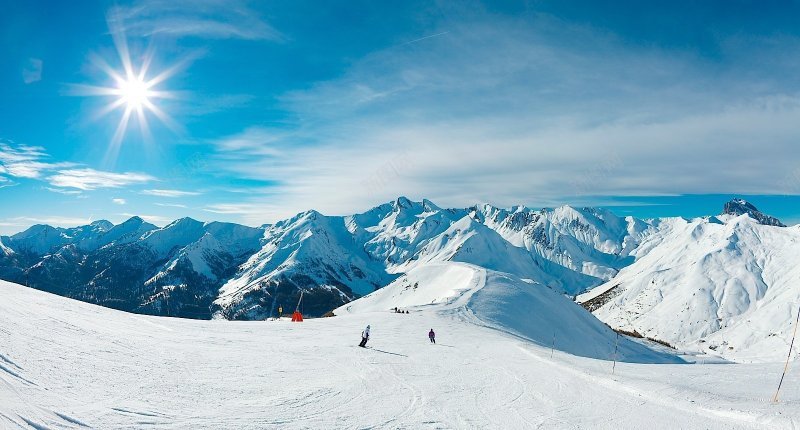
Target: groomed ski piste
x,y
509,354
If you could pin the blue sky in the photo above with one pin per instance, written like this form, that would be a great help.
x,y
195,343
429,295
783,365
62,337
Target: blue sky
x,y
649,108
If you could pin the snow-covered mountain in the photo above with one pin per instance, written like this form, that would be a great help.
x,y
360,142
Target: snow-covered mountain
x,y
335,259
135,266
194,269
726,285
722,284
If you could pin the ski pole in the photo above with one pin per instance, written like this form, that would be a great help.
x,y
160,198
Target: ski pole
x,y
616,344
786,367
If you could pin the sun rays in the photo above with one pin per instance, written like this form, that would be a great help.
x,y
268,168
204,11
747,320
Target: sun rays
x,y
133,90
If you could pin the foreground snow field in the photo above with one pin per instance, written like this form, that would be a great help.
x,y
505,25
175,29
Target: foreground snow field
x,y
67,364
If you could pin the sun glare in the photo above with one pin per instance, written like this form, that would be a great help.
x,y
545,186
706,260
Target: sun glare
x,y
134,92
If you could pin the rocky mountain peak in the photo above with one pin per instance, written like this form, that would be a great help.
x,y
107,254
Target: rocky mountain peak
x,y
738,206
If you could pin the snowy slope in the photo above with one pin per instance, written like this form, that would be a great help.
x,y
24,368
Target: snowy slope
x,y
724,285
505,303
6,251
71,365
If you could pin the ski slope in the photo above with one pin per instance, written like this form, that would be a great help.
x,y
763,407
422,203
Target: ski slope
x,y
70,365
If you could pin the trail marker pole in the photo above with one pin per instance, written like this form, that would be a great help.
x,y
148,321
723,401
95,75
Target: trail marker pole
x,y
786,367
616,345
553,346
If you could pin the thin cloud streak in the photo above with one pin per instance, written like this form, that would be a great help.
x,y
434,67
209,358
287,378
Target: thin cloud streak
x,y
90,179
24,161
423,38
210,19
169,193
55,221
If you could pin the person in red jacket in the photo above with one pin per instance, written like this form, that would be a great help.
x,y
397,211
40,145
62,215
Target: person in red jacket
x,y
432,336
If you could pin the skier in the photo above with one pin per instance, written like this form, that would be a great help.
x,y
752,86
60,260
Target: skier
x,y
280,311
432,336
364,337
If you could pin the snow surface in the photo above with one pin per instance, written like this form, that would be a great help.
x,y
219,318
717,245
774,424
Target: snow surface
x,y
723,285
68,364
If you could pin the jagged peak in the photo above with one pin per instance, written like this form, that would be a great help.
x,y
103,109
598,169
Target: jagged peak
x,y
429,206
133,220
102,223
186,220
302,217
739,206
403,202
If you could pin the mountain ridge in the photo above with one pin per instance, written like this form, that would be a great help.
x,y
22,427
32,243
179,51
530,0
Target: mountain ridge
x,y
196,269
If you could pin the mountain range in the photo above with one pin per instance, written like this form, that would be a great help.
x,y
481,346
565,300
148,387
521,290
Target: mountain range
x,y
203,270
683,281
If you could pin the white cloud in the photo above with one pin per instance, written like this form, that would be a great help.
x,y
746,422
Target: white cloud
x,y
533,111
235,209
32,70
55,221
23,161
5,182
170,193
258,141
118,201
90,179
212,19
62,191
172,205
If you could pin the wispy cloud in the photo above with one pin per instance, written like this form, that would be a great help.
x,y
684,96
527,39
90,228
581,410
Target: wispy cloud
x,y
212,19
90,179
254,141
235,209
32,70
118,201
32,162
5,182
172,205
170,193
508,110
55,221
63,191
24,161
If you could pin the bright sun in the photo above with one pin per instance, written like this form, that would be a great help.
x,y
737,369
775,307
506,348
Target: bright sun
x,y
134,92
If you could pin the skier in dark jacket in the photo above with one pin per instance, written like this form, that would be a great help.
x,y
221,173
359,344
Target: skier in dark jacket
x,y
432,336
364,337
